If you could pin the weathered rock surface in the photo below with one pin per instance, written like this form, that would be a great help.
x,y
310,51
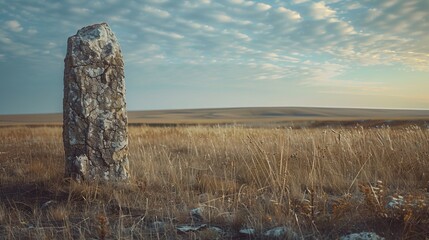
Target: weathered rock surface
x,y
281,233
190,228
197,215
362,236
94,109
247,231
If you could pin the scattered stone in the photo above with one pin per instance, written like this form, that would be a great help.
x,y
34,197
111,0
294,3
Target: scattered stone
x,y
399,203
362,236
48,204
29,225
94,109
281,232
218,230
196,214
247,231
395,202
190,228
158,225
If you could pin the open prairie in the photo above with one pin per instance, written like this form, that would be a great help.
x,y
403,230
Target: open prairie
x,y
280,116
319,181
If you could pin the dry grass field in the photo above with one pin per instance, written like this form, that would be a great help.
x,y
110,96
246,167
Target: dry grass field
x,y
321,183
257,116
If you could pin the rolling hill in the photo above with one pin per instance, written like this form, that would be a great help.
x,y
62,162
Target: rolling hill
x,y
309,116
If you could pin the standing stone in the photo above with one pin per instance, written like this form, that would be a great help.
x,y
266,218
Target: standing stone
x,y
95,119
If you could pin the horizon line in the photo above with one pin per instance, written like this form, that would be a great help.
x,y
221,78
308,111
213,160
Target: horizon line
x,y
246,107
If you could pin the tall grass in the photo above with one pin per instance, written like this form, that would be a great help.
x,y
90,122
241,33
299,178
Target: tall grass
x,y
312,180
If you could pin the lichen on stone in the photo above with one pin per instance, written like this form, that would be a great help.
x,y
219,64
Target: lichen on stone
x,y
95,119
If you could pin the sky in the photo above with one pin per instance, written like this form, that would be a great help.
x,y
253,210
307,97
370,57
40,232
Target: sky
x,y
226,53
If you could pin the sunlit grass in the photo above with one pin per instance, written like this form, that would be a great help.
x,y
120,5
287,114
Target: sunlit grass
x,y
308,179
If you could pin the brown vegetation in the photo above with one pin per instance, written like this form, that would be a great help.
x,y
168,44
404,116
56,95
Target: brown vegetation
x,y
321,182
294,117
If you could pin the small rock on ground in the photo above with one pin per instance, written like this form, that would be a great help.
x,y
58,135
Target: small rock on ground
x,y
247,231
197,214
362,236
158,225
190,228
281,232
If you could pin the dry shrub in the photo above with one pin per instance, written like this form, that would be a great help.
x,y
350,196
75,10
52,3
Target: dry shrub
x,y
411,212
59,212
375,198
103,226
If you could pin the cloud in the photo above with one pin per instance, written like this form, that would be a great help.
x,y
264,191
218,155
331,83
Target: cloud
x,y
354,6
5,40
263,7
236,1
171,35
32,31
299,1
280,58
388,4
51,45
319,10
224,18
328,78
238,35
14,26
373,14
80,11
289,13
156,12
242,36
242,2
195,25
158,1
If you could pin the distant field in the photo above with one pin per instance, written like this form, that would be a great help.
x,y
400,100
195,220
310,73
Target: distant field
x,y
290,116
